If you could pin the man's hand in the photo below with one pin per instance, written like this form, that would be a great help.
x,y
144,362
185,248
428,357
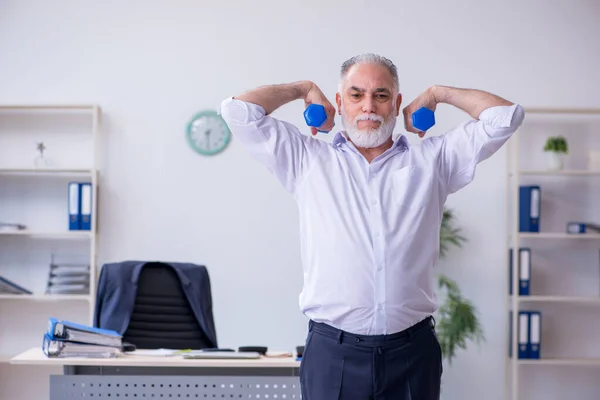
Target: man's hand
x,y
316,96
425,99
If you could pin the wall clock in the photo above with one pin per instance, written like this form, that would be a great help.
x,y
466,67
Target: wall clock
x,y
207,133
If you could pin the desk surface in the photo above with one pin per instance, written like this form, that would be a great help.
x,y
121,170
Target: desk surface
x,y
35,356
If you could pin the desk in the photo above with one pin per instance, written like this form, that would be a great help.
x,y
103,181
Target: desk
x,y
168,377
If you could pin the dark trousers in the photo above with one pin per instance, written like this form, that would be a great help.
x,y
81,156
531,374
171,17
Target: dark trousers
x,y
401,366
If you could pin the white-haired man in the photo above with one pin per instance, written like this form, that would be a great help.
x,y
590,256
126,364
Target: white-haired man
x,y
370,212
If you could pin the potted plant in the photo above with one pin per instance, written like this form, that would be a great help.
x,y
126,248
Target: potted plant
x,y
457,321
556,149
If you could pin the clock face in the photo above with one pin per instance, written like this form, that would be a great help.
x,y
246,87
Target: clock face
x,y
207,133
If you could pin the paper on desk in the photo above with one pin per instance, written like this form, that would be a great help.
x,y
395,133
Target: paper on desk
x,y
154,352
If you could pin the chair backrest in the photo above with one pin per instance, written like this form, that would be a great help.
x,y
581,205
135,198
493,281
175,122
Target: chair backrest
x,y
162,316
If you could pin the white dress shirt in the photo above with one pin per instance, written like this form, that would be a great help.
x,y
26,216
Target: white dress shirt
x,y
369,232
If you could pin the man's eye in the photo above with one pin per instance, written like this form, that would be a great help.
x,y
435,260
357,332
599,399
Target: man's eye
x,y
355,95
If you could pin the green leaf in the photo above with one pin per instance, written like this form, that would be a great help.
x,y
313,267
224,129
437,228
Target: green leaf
x,y
457,322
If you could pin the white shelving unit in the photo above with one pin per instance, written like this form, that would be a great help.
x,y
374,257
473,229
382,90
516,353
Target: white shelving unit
x,y
568,259
37,196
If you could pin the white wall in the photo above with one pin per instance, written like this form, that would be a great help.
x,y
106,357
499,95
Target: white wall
x,y
152,65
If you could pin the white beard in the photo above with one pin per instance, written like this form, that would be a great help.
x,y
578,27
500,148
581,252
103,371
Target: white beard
x,y
369,138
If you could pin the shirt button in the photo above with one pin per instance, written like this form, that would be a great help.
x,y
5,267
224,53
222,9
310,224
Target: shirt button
x,y
380,306
379,268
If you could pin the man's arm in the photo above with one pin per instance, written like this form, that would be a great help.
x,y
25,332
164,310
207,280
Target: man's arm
x,y
274,96
461,149
277,144
471,101
271,97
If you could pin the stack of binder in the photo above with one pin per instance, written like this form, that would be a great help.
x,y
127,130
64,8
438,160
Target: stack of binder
x,y
529,335
68,279
80,206
68,339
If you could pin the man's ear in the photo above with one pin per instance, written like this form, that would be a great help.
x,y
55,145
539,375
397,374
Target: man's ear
x,y
338,101
398,103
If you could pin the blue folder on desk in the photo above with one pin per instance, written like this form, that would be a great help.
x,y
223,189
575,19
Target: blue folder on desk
x,y
57,348
60,330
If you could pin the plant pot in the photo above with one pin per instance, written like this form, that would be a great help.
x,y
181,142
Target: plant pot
x,y
555,161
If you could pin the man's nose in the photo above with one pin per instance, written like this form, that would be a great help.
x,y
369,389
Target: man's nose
x,y
368,105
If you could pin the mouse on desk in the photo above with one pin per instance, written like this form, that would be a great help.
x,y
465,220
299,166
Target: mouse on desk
x,y
126,346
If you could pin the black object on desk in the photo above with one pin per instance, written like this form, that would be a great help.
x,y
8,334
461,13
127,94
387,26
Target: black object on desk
x,y
262,350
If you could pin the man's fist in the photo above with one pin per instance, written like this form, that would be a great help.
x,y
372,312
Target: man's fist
x,y
425,99
316,96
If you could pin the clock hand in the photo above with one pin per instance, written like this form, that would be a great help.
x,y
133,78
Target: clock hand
x,y
207,134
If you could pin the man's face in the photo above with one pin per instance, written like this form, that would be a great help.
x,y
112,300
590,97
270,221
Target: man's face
x,y
368,104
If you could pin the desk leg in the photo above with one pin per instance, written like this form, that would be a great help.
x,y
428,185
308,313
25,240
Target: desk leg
x,y
79,382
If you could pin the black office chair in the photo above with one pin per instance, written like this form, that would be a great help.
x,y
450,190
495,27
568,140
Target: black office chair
x,y
162,316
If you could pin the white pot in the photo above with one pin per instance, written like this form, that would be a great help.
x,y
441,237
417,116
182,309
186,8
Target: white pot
x,y
555,161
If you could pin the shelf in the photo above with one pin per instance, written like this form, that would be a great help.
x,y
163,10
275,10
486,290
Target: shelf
x,y
549,110
572,172
558,235
559,299
57,107
47,171
52,235
562,361
45,297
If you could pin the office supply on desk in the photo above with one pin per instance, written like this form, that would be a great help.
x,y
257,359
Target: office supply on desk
x,y
221,355
529,208
262,350
74,332
66,349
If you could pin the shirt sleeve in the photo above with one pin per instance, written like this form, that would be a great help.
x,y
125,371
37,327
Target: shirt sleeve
x,y
474,141
276,144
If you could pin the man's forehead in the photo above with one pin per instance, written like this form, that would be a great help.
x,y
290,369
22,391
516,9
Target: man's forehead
x,y
368,79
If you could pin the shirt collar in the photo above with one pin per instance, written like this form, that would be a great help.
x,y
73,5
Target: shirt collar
x,y
340,138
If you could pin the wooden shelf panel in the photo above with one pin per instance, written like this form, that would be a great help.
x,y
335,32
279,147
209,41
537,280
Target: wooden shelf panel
x,y
559,299
559,235
57,107
562,361
573,172
51,235
46,297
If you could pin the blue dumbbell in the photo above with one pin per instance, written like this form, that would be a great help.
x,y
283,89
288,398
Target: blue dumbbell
x,y
423,119
315,115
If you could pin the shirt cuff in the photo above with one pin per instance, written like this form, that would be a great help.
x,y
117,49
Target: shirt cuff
x,y
240,112
502,116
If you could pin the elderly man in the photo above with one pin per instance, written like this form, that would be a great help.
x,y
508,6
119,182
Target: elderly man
x,y
370,213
